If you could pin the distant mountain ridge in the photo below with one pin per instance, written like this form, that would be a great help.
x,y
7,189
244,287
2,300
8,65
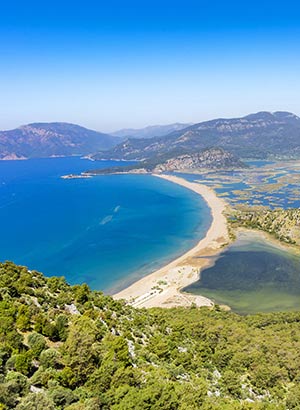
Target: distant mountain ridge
x,y
259,135
52,139
150,131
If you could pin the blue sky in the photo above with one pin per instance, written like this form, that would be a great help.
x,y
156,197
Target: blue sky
x,y
109,65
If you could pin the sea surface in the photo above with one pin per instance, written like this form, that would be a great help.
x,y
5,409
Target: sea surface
x,y
252,275
107,231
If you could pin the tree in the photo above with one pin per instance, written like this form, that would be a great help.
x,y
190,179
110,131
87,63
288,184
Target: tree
x,y
23,363
80,349
36,343
36,401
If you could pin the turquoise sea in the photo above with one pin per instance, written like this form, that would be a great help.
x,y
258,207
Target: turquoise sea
x,y
106,231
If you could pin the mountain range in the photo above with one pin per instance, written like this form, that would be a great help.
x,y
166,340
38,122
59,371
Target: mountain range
x,y
259,135
52,139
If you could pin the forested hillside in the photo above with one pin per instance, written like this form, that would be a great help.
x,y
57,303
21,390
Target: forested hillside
x,y
259,135
64,347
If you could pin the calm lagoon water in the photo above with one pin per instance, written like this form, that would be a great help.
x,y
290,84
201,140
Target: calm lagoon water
x,y
251,276
106,231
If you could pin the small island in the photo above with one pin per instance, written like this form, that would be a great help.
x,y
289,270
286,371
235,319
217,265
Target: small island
x,y
76,176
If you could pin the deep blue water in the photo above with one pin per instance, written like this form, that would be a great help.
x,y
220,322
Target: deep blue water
x,y
106,231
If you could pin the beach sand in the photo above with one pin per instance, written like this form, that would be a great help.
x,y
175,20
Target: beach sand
x,y
162,288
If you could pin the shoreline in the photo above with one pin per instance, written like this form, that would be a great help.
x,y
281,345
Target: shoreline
x,y
162,288
270,239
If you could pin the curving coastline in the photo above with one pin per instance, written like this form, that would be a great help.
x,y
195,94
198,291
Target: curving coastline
x,y
162,288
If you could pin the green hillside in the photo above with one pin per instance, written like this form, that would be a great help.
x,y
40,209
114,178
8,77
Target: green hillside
x,y
66,347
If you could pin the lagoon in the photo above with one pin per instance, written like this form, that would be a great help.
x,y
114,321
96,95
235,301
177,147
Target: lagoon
x,y
252,275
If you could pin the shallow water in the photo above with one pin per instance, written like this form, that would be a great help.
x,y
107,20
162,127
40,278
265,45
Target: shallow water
x,y
254,186
252,275
106,231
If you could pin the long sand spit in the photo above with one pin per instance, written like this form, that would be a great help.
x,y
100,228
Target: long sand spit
x,y
162,288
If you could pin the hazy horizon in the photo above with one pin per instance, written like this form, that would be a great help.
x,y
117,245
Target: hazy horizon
x,y
130,65
142,126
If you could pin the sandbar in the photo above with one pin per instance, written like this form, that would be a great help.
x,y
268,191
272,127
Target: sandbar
x,y
162,288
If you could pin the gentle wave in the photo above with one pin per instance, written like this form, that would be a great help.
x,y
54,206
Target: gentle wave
x,y
106,220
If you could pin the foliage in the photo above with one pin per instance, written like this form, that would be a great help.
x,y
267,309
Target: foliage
x,y
283,224
79,349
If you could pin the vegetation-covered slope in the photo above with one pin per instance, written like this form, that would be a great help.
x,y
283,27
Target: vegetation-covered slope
x,y
64,347
210,158
284,224
255,136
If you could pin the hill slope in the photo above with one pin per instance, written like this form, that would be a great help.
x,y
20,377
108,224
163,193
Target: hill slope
x,y
51,139
211,158
257,135
66,347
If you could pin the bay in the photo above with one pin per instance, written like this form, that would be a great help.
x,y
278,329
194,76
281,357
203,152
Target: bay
x,y
107,231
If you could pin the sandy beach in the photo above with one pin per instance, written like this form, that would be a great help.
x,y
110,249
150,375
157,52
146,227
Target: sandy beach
x,y
162,288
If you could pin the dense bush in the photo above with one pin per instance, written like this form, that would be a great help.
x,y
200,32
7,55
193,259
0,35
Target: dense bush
x,y
64,347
